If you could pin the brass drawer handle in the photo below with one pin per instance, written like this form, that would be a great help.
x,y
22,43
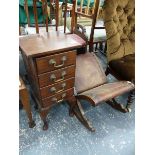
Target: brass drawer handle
x,y
53,62
62,98
53,77
53,89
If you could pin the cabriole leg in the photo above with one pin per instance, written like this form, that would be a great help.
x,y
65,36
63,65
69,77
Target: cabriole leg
x,y
43,115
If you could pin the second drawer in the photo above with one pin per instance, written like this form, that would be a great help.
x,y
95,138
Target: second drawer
x,y
57,88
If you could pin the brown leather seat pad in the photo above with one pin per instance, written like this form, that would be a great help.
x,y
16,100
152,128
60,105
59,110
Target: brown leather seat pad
x,y
124,67
107,91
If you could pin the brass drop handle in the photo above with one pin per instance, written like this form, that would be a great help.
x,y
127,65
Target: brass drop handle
x,y
53,89
53,62
63,87
62,98
53,77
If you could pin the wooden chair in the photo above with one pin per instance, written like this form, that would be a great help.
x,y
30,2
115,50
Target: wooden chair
x,y
49,10
58,11
120,29
91,85
86,25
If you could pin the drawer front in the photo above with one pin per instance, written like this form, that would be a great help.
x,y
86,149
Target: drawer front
x,y
56,76
54,62
58,97
56,88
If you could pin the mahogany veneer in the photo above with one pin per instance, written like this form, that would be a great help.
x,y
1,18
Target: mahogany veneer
x,y
50,60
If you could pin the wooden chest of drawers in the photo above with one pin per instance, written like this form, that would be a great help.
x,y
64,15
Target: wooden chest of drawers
x,y
50,62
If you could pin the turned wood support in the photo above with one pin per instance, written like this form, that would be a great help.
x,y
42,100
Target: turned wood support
x,y
130,100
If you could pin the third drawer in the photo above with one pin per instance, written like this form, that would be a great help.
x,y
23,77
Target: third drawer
x,y
57,88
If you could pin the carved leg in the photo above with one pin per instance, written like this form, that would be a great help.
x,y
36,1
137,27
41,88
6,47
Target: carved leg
x,y
43,115
114,104
26,104
78,111
130,100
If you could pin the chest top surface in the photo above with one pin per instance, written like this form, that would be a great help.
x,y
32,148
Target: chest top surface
x,y
49,43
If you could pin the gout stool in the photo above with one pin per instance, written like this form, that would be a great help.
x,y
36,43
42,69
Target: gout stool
x,y
91,85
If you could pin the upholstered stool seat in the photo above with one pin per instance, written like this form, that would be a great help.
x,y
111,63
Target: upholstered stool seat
x,y
91,84
124,66
107,91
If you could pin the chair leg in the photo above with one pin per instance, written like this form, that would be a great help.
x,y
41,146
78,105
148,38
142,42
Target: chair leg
x,y
105,49
26,104
130,100
101,46
96,47
43,115
91,47
79,113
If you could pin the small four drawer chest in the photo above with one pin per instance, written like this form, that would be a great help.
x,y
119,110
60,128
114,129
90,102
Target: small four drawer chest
x,y
50,61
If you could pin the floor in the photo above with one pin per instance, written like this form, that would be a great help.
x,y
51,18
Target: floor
x,y
115,131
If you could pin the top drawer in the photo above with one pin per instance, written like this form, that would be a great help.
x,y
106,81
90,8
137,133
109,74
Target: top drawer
x,y
53,62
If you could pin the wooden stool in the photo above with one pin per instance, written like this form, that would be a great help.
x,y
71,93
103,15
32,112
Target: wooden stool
x,y
24,97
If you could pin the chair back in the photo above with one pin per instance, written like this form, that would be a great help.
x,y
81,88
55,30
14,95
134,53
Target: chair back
x,y
119,21
86,22
49,9
86,10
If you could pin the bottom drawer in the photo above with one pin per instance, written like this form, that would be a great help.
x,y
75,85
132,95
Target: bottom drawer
x,y
58,97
